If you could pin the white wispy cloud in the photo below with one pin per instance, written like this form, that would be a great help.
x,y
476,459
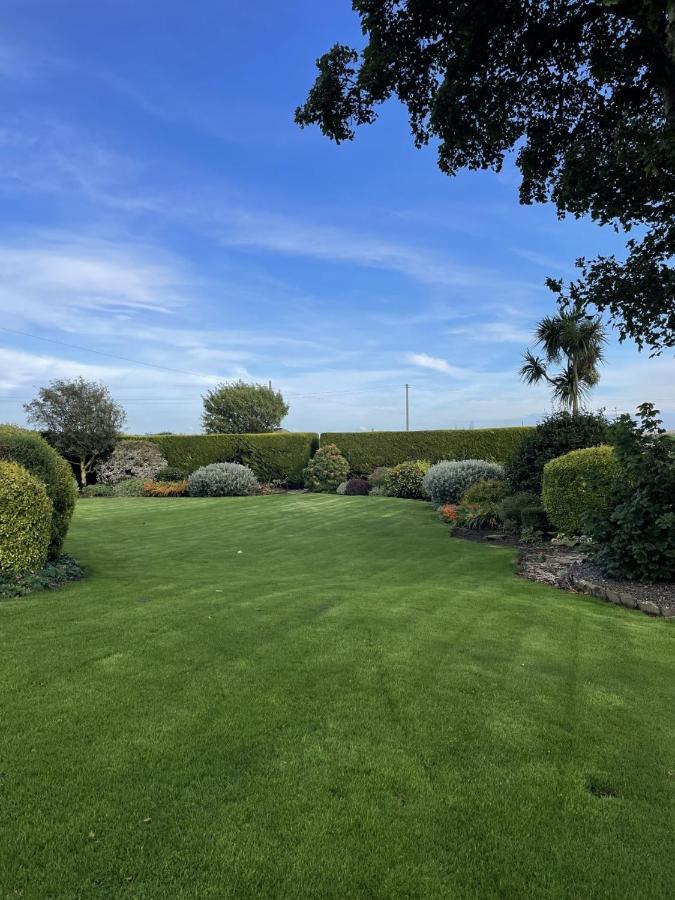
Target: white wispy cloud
x,y
292,236
424,361
63,282
494,332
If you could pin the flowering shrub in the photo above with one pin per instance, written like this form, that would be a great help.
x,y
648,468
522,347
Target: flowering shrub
x,y
223,480
131,459
327,469
449,512
407,480
357,487
165,488
447,481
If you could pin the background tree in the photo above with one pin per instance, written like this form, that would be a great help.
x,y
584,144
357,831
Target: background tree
x,y
574,339
583,90
79,418
241,408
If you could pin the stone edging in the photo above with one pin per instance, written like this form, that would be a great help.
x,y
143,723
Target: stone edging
x,y
610,595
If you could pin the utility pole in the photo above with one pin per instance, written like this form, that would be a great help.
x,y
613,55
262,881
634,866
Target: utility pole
x,y
270,384
407,408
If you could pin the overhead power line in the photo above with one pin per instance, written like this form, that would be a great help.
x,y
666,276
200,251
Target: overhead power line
x,y
127,359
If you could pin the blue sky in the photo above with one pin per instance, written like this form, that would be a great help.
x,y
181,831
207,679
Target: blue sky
x,y
159,204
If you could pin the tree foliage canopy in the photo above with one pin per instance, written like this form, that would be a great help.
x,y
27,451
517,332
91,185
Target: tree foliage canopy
x,y
240,408
79,418
583,91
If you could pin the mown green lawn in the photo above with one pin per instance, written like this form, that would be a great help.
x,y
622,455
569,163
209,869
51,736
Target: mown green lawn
x,y
353,706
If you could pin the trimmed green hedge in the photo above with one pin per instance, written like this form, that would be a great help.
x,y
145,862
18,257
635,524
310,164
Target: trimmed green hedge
x,y
277,456
367,450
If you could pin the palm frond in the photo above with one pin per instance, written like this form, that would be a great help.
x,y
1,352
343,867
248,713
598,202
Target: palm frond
x,y
533,369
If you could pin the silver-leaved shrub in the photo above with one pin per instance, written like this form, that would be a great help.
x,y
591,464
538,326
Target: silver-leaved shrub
x,y
447,481
223,480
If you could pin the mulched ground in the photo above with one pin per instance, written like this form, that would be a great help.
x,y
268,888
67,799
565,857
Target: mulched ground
x,y
569,568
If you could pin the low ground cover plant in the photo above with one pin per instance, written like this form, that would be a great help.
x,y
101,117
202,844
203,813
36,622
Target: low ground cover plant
x,y
222,480
447,481
53,575
326,470
165,488
406,480
129,487
25,520
97,490
579,484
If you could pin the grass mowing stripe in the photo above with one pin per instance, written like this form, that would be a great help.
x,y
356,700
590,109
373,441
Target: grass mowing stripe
x,y
353,706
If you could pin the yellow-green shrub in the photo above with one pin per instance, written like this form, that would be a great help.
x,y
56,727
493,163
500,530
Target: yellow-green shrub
x,y
406,480
32,452
25,520
579,483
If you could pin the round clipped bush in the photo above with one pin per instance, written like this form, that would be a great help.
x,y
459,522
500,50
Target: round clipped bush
x,y
223,480
132,459
326,470
357,487
447,481
577,484
170,473
25,520
492,490
32,452
406,480
130,487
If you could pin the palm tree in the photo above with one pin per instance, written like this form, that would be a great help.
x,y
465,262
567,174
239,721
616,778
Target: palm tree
x,y
575,340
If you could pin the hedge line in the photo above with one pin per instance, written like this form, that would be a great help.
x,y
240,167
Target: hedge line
x,y
279,455
369,449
